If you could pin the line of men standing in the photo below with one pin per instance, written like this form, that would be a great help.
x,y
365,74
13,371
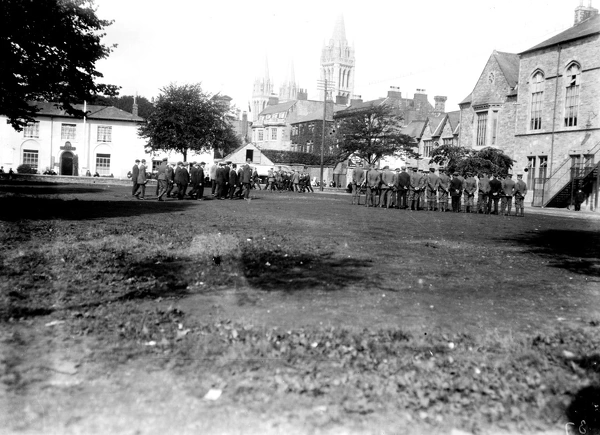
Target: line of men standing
x,y
416,190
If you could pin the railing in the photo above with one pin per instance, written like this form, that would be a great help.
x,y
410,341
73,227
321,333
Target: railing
x,y
566,172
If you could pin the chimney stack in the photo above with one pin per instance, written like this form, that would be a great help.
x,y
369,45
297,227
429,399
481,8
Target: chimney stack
x,y
440,104
273,100
302,94
134,110
582,13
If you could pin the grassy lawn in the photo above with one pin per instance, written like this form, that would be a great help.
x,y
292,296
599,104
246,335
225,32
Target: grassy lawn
x,y
307,314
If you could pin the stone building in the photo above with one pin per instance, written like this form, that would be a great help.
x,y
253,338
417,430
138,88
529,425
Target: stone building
x,y
541,107
337,64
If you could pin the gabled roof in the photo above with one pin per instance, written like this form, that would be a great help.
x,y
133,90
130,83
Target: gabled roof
x,y
468,99
361,105
454,120
414,129
317,115
436,124
586,28
94,112
509,65
278,108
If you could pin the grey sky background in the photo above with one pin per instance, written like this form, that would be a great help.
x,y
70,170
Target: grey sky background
x,y
437,45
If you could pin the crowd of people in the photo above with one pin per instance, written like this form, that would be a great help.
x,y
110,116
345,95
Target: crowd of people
x,y
292,181
409,188
225,179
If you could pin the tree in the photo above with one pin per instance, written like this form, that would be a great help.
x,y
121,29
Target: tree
x,y
125,102
372,133
461,160
185,118
49,51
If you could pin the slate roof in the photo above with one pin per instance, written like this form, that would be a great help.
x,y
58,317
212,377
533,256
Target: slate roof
x,y
108,113
589,27
317,115
356,106
468,99
454,119
278,108
509,64
414,129
437,123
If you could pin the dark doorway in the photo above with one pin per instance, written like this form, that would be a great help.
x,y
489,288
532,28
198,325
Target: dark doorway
x,y
250,155
66,163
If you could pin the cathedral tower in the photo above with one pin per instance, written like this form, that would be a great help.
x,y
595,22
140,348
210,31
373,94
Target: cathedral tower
x,y
337,64
289,89
262,90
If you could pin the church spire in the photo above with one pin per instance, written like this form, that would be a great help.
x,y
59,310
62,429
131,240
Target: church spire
x,y
339,31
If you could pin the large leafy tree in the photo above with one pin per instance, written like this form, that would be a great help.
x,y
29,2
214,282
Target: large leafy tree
x,y
460,159
372,133
125,102
185,118
49,51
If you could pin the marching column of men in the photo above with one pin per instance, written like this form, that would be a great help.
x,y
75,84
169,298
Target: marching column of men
x,y
425,190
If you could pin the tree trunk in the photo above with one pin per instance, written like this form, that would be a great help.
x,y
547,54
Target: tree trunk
x,y
184,152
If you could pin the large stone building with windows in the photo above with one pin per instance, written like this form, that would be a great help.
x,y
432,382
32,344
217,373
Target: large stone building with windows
x,y
542,108
106,142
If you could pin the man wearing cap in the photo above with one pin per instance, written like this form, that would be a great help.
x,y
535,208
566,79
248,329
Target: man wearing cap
x,y
212,174
456,186
222,174
413,189
403,184
495,192
520,192
182,179
358,179
443,190
142,180
135,172
373,178
387,183
170,172
508,188
470,187
483,197
246,179
162,179
433,184
194,180
233,180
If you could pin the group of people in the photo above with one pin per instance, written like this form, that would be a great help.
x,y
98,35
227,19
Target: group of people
x,y
293,181
409,188
226,180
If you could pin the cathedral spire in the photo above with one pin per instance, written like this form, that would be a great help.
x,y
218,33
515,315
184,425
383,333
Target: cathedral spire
x,y
339,31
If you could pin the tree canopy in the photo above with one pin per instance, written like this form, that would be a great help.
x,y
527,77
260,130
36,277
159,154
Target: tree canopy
x,y
49,51
185,118
460,159
372,133
125,102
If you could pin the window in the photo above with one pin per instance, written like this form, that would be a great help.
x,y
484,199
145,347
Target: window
x,y
67,131
30,157
427,147
494,126
155,165
537,93
572,95
543,166
260,135
103,164
104,133
250,155
530,170
273,134
448,141
32,129
481,128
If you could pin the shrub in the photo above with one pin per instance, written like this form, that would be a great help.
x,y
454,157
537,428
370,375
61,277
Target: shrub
x,y
26,169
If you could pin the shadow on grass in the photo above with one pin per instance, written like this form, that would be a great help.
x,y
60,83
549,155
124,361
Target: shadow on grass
x,y
277,271
166,277
48,189
16,208
577,251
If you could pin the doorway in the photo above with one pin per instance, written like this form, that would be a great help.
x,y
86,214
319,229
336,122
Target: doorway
x,y
66,163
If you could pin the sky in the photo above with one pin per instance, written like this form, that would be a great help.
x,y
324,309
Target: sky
x,y
437,45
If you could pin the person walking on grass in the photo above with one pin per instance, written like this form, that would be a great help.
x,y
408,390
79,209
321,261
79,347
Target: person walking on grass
x,y
141,181
135,171
182,179
162,183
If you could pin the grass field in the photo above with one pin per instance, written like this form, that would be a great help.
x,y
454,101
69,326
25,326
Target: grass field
x,y
309,315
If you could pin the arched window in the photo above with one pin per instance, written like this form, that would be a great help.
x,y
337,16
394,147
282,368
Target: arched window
x,y
537,94
572,81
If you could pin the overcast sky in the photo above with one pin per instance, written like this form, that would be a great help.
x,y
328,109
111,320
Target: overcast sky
x,y
437,45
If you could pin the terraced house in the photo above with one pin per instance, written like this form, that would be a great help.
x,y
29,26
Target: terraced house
x,y
541,107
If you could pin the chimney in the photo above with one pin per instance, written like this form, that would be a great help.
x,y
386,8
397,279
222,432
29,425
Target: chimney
x,y
134,110
357,99
273,100
340,99
440,104
394,92
302,94
244,125
582,13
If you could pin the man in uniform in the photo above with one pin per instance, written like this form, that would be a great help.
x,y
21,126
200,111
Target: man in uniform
x,y
162,179
373,179
495,191
470,187
444,190
422,188
358,179
520,192
413,189
387,185
456,186
483,196
135,172
508,187
402,185
433,182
